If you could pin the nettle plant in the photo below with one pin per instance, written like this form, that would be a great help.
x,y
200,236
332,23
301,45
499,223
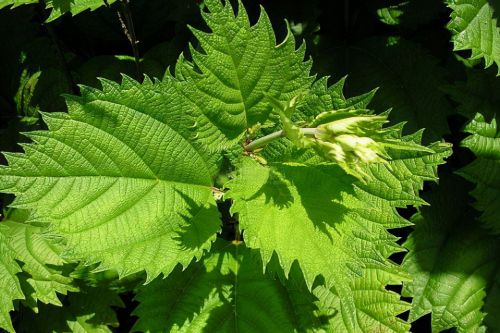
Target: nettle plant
x,y
238,194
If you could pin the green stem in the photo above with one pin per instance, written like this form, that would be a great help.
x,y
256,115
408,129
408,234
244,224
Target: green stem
x,y
260,142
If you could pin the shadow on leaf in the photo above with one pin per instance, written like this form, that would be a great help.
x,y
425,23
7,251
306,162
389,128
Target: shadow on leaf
x,y
202,222
228,289
63,5
318,190
452,255
276,191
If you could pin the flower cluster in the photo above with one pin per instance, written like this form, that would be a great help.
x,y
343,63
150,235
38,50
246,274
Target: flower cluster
x,y
352,138
352,142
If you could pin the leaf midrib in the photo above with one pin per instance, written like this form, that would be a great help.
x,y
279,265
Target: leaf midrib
x,y
158,180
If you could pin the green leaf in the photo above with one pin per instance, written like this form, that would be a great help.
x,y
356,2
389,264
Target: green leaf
x,y
410,14
119,179
236,66
41,90
89,311
10,288
108,67
15,3
376,307
474,26
228,292
157,59
391,15
453,259
41,263
314,213
279,211
453,262
37,79
61,7
485,170
479,93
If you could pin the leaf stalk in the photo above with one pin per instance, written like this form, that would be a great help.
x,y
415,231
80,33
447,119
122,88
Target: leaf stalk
x,y
260,142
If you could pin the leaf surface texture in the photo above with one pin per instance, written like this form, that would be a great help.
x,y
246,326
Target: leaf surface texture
x,y
484,142
333,226
117,181
474,26
453,262
228,292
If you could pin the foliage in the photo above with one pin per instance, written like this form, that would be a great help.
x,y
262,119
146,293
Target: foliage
x,y
60,7
484,171
181,167
452,256
474,27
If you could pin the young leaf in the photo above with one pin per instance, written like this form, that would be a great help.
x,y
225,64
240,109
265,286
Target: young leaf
x,y
485,170
320,99
119,179
453,262
228,292
10,288
474,27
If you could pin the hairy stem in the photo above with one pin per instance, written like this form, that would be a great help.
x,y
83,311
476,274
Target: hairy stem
x,y
260,142
129,31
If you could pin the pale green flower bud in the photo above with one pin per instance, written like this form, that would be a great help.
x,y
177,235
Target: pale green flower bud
x,y
351,148
346,125
367,155
333,151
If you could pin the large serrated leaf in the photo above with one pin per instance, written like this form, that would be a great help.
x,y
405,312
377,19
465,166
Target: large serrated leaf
x,y
119,180
315,216
474,26
485,170
89,311
453,258
237,65
453,262
228,292
61,7
15,3
43,268
333,226
10,288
